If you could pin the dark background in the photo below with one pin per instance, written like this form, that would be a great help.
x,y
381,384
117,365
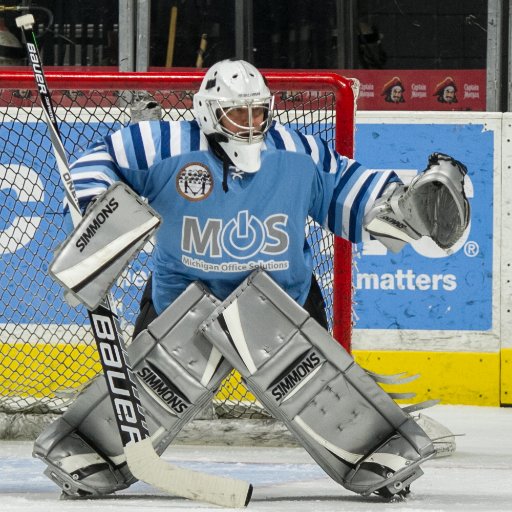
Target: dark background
x,y
392,34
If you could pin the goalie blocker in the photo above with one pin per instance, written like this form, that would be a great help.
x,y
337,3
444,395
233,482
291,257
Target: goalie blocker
x,y
349,425
114,228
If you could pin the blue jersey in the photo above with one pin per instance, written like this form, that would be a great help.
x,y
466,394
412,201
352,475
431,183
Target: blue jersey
x,y
220,237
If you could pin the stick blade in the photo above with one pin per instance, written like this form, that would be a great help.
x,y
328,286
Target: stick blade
x,y
147,466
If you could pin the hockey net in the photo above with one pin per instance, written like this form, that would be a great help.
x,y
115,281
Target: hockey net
x,y
47,348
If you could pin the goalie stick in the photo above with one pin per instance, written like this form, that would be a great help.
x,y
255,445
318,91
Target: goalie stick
x,y
142,460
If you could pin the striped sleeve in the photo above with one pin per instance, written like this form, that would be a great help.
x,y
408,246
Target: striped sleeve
x,y
281,137
92,173
344,190
142,145
356,189
129,153
284,138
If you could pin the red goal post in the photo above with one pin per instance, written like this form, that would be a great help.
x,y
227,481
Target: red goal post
x,y
39,333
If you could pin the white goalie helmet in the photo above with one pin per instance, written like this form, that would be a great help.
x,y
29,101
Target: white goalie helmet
x,y
235,105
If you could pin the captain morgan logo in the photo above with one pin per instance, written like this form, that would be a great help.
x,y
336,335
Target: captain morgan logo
x,y
194,182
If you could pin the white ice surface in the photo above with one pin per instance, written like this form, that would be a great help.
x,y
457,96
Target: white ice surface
x,y
478,477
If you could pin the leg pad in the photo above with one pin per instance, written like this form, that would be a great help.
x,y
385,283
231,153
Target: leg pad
x,y
350,426
177,371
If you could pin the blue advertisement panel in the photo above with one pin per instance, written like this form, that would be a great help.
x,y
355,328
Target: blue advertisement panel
x,y
422,287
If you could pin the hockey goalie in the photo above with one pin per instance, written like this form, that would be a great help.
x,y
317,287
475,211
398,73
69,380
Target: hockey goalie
x,y
233,284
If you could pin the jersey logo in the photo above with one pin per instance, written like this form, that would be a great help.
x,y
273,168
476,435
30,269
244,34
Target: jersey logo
x,y
194,182
240,244
242,237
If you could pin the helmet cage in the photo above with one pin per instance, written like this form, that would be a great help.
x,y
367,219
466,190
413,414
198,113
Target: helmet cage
x,y
224,115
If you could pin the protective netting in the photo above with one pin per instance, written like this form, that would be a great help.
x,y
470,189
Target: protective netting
x,y
47,348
